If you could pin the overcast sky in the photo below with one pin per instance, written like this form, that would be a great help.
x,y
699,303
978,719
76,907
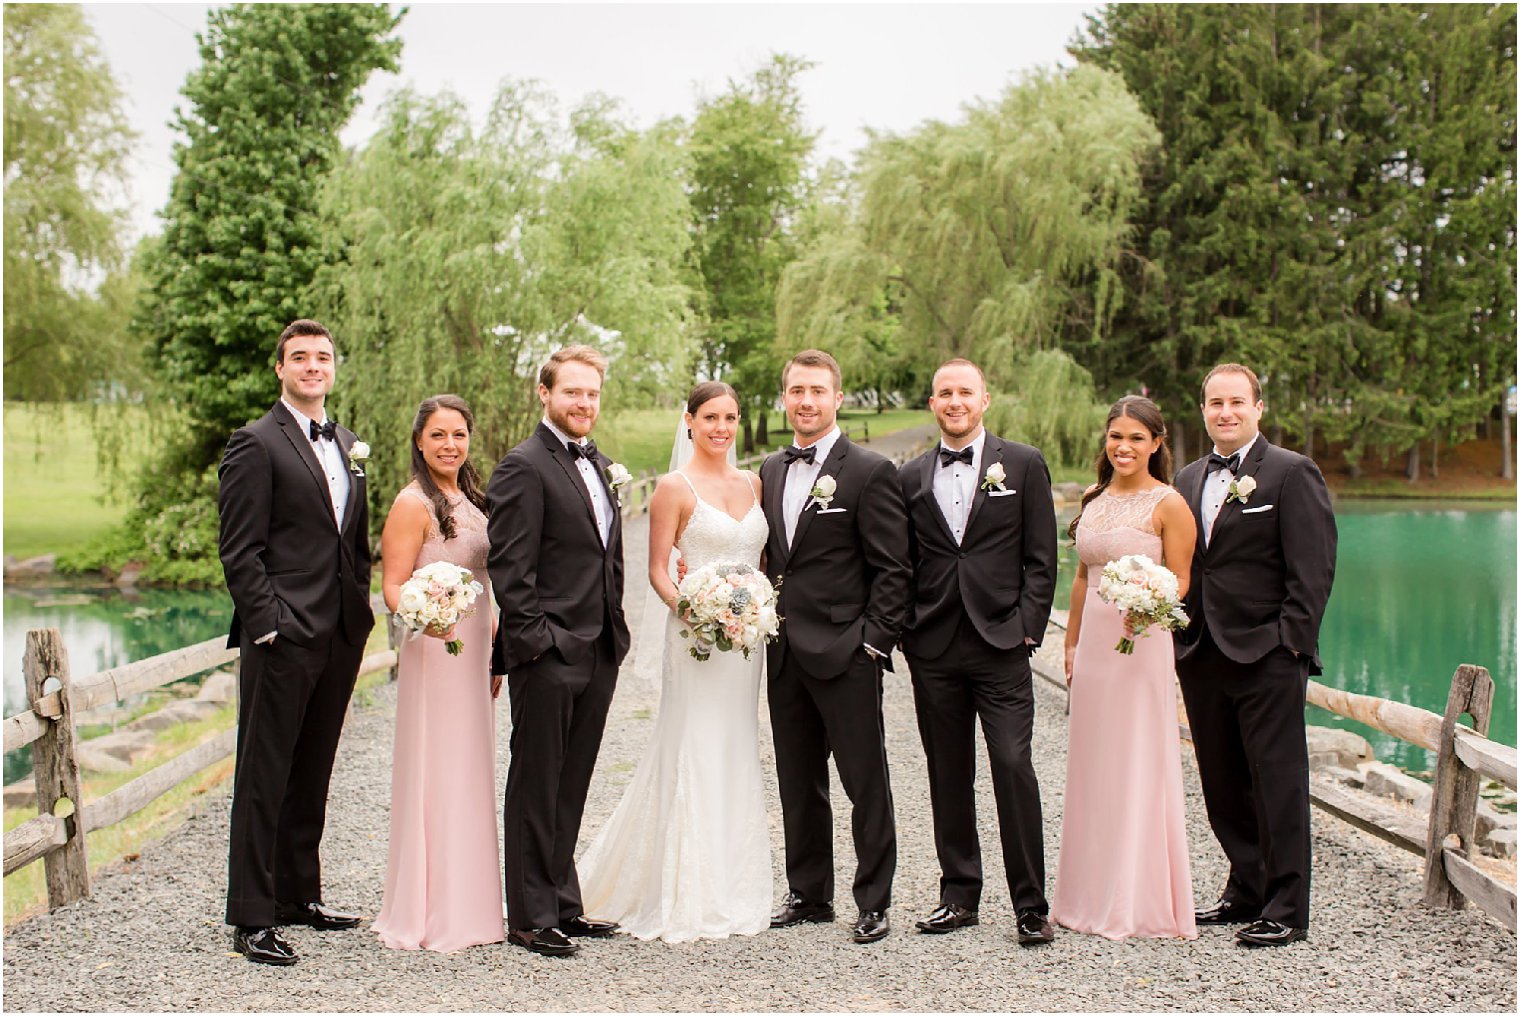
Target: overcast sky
x,y
885,66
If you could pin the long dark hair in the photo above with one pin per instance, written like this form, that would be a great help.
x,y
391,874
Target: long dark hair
x,y
469,479
1148,414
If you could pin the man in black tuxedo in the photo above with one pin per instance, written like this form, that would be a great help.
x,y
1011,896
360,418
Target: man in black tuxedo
x,y
556,566
294,545
1261,578
983,543
838,550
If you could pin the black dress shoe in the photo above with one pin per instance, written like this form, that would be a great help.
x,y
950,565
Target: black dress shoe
x,y
871,926
544,941
1035,928
588,927
796,910
263,945
948,917
1227,912
1270,933
315,915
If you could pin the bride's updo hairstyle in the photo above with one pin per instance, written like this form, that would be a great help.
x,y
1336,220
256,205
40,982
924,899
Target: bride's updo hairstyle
x,y
1148,414
469,479
706,392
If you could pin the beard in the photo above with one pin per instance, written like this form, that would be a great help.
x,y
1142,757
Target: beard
x,y
574,426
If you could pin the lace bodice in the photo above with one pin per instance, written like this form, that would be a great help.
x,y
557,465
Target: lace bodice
x,y
1113,525
713,535
470,544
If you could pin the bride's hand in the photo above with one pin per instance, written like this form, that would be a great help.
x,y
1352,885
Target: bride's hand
x,y
680,567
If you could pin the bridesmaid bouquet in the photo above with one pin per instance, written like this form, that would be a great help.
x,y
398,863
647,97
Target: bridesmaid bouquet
x,y
727,606
438,596
1145,593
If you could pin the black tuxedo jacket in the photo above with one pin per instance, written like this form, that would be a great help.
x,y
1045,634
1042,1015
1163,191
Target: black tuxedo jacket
x,y
844,579
290,567
556,585
1264,578
1003,573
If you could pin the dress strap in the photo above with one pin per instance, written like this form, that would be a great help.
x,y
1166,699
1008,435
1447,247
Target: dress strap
x,y
753,493
693,486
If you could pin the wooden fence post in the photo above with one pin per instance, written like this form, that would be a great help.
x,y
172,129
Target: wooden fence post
x,y
56,769
1454,803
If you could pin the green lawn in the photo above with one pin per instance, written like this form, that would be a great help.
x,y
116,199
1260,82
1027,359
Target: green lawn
x,y
53,490
640,438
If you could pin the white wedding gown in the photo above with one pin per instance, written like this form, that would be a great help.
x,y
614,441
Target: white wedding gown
x,y
687,852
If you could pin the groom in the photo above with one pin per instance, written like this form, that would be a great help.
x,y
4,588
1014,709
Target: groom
x,y
838,551
294,544
556,566
983,529
1261,578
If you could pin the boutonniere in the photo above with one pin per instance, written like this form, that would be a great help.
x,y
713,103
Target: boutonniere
x,y
823,491
358,454
993,480
1241,489
617,476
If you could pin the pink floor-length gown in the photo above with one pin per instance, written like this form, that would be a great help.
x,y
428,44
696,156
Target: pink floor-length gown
x,y
1123,869
443,872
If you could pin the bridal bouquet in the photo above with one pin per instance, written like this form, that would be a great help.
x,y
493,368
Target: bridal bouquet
x,y
1145,592
438,596
728,606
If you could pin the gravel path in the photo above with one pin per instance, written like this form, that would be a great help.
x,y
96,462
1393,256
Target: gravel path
x,y
151,937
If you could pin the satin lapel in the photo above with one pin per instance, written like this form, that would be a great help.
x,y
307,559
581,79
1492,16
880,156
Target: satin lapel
x,y
992,451
302,445
831,467
615,522
1231,508
346,441
566,462
1195,497
772,505
926,491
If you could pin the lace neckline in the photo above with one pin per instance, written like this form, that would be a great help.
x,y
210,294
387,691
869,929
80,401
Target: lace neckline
x,y
754,499
1110,492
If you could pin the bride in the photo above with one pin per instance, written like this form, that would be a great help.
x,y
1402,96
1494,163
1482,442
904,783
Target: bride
x,y
686,854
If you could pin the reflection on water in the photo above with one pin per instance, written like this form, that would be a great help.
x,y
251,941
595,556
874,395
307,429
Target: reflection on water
x,y
1418,590
102,629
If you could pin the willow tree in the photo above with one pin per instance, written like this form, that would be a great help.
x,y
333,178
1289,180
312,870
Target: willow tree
x,y
988,237
463,258
66,146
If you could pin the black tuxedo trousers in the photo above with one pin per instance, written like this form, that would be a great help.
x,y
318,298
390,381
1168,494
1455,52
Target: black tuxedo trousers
x,y
973,679
810,719
559,711
1247,722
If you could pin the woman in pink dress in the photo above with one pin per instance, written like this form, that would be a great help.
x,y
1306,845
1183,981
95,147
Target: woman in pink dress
x,y
443,872
1123,869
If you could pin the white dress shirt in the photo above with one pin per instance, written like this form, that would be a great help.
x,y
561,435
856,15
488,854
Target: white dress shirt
x,y
800,477
954,485
1216,488
331,457
593,481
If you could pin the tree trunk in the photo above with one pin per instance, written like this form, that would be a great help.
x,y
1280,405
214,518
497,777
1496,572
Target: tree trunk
x,y
1435,457
749,438
1277,434
1412,470
762,435
1179,445
1507,466
1309,440
881,402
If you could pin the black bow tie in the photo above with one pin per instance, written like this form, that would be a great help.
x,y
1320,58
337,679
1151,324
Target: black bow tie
x,y
947,457
328,430
586,451
1217,461
805,454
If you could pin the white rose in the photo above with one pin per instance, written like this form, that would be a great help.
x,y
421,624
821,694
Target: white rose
x,y
617,474
995,473
824,487
359,452
412,600
1245,486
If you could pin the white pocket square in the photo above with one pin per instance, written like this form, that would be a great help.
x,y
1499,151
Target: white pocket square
x,y
831,511
1001,493
1253,511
